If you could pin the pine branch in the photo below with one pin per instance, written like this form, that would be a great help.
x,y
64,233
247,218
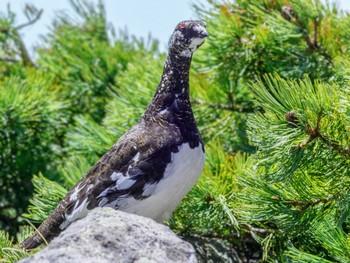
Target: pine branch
x,y
315,133
258,230
316,25
27,61
30,22
313,45
305,204
312,132
289,14
335,146
23,51
221,236
9,59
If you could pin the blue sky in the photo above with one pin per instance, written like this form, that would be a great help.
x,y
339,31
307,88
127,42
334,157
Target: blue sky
x,y
140,17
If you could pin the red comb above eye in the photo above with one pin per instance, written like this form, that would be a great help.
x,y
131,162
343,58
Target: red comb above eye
x,y
181,26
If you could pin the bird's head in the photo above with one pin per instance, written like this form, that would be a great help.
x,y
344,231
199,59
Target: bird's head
x,y
187,37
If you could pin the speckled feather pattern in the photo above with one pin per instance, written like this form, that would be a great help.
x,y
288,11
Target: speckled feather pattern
x,y
154,164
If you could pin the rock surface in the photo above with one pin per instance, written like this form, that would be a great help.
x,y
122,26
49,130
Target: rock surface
x,y
244,249
213,250
106,235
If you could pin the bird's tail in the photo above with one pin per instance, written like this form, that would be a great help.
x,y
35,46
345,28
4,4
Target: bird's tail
x,y
49,229
33,241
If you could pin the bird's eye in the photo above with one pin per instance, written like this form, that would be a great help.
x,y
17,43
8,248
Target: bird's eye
x,y
181,26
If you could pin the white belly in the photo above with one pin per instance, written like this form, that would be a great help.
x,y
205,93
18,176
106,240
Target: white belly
x,y
179,177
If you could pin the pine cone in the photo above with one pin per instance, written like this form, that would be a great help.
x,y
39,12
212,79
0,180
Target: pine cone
x,y
292,119
288,13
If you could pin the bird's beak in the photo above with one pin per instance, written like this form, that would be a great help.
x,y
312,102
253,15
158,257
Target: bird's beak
x,y
204,33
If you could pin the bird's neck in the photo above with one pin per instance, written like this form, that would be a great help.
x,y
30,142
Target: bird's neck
x,y
172,93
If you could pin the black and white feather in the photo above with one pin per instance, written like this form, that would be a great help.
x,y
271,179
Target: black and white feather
x,y
154,164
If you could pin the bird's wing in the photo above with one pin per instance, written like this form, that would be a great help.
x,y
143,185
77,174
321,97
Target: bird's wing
x,y
136,161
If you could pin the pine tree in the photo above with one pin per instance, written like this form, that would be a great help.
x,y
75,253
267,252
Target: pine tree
x,y
291,195
30,121
41,103
270,95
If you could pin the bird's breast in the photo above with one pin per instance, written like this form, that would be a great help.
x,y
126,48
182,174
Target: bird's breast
x,y
179,177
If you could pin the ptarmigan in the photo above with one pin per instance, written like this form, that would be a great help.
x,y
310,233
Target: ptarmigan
x,y
154,164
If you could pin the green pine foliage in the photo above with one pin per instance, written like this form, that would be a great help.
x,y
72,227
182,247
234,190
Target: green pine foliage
x,y
137,86
47,195
270,93
296,186
82,61
30,126
211,198
42,106
9,252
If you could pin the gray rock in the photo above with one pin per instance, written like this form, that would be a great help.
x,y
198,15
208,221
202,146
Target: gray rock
x,y
242,249
213,250
106,235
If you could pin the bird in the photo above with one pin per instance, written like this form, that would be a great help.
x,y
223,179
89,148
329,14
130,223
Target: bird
x,y
150,169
